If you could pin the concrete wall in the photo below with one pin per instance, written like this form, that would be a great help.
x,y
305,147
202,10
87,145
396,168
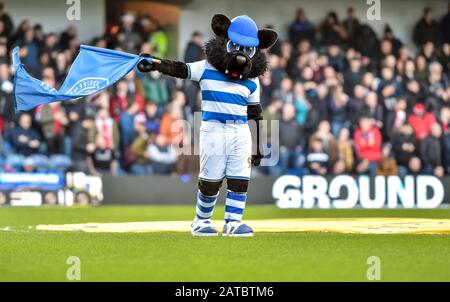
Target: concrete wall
x,y
400,14
52,15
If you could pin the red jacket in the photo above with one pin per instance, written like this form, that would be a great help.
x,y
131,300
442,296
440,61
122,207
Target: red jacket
x,y
421,125
368,144
117,105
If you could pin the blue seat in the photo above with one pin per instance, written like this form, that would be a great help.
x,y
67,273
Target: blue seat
x,y
60,163
15,161
41,162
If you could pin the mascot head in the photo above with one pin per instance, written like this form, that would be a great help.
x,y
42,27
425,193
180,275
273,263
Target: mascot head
x,y
236,49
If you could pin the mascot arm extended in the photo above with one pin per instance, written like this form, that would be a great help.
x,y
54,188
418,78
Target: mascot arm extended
x,y
254,112
172,68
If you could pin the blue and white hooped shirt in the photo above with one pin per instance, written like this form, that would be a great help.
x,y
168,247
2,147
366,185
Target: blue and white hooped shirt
x,y
224,101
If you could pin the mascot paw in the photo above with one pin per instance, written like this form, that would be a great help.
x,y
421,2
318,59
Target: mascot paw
x,y
256,160
144,65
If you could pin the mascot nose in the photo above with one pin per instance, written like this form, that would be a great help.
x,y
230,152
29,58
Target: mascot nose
x,y
241,60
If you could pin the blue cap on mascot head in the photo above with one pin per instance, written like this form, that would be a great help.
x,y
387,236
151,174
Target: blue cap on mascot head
x,y
243,31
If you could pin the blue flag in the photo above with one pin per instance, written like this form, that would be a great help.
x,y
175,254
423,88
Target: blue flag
x,y
93,70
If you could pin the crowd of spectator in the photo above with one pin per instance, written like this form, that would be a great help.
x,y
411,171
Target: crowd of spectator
x,y
347,101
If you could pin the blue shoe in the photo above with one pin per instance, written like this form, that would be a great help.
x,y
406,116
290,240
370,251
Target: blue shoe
x,y
203,228
237,229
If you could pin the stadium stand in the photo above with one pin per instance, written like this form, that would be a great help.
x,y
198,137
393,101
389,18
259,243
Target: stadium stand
x,y
347,100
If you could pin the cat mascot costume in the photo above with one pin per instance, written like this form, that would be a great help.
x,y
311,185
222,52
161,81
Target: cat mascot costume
x,y
230,91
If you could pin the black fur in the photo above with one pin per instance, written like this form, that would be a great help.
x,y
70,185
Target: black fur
x,y
237,185
171,68
209,188
267,37
254,112
216,55
220,24
174,69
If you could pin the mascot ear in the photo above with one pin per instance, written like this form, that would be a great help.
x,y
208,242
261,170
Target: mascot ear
x,y
267,37
220,24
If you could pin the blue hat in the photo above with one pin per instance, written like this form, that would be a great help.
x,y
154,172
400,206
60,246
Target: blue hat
x,y
243,31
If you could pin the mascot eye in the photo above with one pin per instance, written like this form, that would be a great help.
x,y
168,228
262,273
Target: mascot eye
x,y
250,51
231,46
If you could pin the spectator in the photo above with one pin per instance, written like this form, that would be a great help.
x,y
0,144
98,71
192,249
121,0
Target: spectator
x,y
23,139
351,25
271,113
317,159
445,26
285,92
421,70
75,112
302,105
335,58
428,51
373,110
128,120
6,20
405,147
53,120
445,123
421,121
320,102
332,31
107,140
123,99
415,166
352,76
29,51
443,56
344,163
158,39
329,142
301,29
366,41
194,49
367,145
431,151
104,159
396,118
436,90
337,110
356,104
277,71
162,155
142,165
83,144
395,42
169,126
67,37
426,29
152,118
291,142
155,88
389,88
387,166
127,38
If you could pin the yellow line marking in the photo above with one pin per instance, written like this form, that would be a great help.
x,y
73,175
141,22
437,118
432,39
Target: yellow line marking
x,y
337,225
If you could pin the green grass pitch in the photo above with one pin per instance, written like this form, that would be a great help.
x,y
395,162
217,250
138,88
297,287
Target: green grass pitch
x,y
29,255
